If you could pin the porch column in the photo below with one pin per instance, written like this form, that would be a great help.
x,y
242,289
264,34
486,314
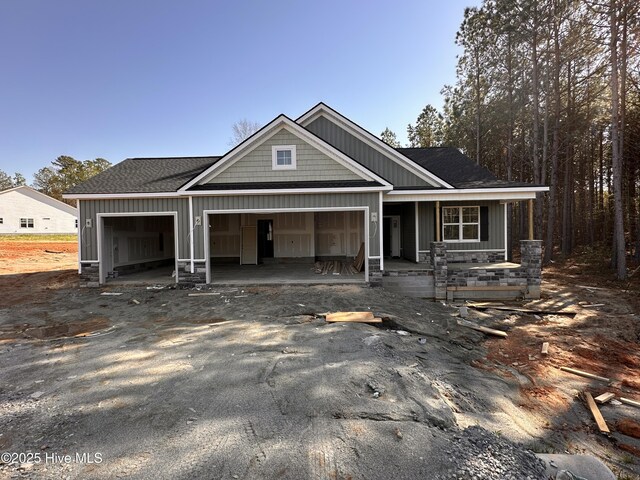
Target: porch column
x,y
437,220
530,219
439,264
531,266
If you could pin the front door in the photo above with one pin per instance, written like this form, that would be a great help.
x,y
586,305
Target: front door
x,y
391,236
265,239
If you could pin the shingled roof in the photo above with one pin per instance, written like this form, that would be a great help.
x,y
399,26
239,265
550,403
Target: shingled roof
x,y
455,168
145,175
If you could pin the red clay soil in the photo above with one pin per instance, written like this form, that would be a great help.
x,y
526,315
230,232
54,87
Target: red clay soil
x,y
628,427
33,256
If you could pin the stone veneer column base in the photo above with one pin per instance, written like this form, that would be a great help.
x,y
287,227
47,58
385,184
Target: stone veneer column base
x,y
186,278
439,264
531,266
375,274
90,275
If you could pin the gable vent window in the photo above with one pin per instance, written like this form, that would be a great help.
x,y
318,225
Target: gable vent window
x,y
26,223
283,157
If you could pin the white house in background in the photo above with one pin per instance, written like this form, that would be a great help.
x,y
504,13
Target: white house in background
x,y
25,210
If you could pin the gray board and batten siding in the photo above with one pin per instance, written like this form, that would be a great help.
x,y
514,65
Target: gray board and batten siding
x,y
363,153
290,202
311,164
495,241
89,209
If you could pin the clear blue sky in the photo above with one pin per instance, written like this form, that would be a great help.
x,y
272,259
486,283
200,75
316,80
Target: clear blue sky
x,y
128,78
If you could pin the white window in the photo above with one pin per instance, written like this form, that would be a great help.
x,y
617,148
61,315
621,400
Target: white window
x,y
283,157
461,224
26,223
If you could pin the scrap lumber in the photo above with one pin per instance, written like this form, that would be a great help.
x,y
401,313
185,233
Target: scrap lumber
x,y
604,398
203,294
520,309
545,348
362,317
595,412
480,328
627,401
359,260
585,374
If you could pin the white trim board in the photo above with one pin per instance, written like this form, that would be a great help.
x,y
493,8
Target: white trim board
x,y
207,213
371,140
99,224
107,196
460,195
268,131
284,191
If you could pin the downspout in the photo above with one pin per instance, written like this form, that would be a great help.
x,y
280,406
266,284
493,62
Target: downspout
x,y
380,235
417,234
79,231
191,228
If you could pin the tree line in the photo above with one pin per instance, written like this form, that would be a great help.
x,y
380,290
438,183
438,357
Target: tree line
x,y
64,173
548,92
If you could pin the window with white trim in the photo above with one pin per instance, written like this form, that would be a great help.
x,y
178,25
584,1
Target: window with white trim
x,y
461,224
26,223
283,157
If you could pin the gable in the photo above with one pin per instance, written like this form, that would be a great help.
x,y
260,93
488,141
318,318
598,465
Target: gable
x,y
26,199
311,164
367,149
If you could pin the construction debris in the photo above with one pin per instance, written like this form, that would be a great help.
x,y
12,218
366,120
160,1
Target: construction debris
x,y
360,317
110,294
633,403
490,331
203,294
487,306
628,427
604,398
334,267
597,416
359,260
137,302
585,374
545,348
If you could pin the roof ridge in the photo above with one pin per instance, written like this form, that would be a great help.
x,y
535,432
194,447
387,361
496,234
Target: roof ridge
x,y
173,158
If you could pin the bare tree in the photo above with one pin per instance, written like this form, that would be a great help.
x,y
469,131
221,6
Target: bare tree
x,y
242,130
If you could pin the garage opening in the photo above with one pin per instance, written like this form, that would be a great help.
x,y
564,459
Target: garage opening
x,y
285,247
138,249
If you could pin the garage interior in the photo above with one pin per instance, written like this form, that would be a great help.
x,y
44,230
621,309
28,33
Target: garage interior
x,y
138,248
285,247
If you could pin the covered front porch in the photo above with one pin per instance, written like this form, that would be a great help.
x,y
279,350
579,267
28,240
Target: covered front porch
x,y
452,249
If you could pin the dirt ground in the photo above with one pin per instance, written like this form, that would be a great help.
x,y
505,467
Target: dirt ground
x,y
253,383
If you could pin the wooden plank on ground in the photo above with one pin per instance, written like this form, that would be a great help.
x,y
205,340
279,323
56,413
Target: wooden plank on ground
x,y
597,416
487,288
605,397
364,317
480,328
520,309
633,403
545,348
207,294
585,374
485,304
